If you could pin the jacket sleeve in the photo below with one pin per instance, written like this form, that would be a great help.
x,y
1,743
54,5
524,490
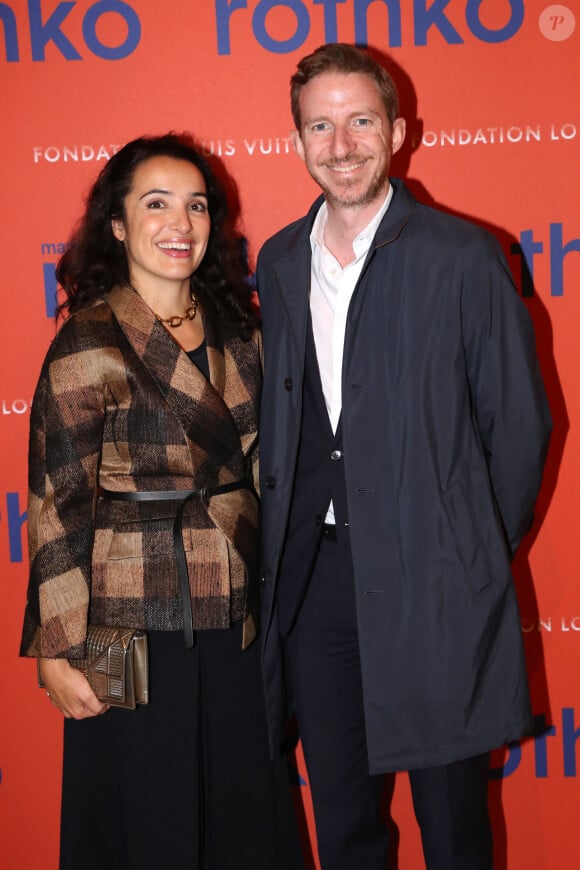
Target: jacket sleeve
x,y
66,428
509,401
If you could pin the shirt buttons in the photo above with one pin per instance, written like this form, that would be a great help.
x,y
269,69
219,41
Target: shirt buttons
x,y
336,455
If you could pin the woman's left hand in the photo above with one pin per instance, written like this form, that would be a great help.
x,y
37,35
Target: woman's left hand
x,y
69,690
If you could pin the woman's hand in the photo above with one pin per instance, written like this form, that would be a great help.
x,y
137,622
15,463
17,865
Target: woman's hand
x,y
69,690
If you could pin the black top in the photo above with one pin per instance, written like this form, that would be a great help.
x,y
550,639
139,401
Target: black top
x,y
198,356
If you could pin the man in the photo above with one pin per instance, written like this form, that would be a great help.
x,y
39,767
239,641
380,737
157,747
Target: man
x,y
404,431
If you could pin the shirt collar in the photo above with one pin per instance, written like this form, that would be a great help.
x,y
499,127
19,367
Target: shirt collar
x,y
363,241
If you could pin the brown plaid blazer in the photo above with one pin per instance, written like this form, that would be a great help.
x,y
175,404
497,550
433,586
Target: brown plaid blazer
x,y
119,406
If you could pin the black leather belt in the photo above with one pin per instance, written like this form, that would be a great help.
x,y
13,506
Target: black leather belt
x,y
183,496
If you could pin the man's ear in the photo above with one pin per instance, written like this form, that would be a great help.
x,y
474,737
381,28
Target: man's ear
x,y
398,134
297,143
118,229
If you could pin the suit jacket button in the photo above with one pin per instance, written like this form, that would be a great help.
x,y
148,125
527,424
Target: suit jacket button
x,y
270,482
288,384
336,454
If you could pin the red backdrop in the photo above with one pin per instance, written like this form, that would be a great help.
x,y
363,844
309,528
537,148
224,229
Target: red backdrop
x,y
489,90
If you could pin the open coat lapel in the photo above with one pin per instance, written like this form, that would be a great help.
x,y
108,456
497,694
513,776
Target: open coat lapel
x,y
292,278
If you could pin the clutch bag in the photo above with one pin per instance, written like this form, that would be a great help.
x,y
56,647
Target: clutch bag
x,y
116,665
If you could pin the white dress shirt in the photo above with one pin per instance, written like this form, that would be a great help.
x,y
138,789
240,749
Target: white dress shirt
x,y
331,289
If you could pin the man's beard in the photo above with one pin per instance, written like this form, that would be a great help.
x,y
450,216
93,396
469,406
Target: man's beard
x,y
377,185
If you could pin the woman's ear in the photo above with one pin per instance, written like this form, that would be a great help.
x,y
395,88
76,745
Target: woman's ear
x,y
118,229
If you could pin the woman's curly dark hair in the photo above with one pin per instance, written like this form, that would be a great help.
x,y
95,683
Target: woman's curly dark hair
x,y
95,261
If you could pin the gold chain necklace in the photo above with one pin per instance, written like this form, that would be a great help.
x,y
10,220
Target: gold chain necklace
x,y
177,320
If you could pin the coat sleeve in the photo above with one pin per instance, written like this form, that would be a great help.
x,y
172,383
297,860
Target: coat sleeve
x,y
66,429
509,401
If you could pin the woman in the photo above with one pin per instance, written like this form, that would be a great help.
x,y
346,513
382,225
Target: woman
x,y
152,386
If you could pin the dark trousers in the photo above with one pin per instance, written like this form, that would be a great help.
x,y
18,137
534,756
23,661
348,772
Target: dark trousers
x,y
187,781
323,667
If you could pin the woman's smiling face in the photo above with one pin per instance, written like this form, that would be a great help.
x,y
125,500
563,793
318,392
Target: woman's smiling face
x,y
166,224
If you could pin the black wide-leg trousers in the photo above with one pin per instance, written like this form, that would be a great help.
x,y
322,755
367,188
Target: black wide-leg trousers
x,y
323,667
187,781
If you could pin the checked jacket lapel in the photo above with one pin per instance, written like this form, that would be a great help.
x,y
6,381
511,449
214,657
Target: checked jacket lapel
x,y
199,406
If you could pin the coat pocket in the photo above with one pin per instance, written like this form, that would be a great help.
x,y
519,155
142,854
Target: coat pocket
x,y
470,547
